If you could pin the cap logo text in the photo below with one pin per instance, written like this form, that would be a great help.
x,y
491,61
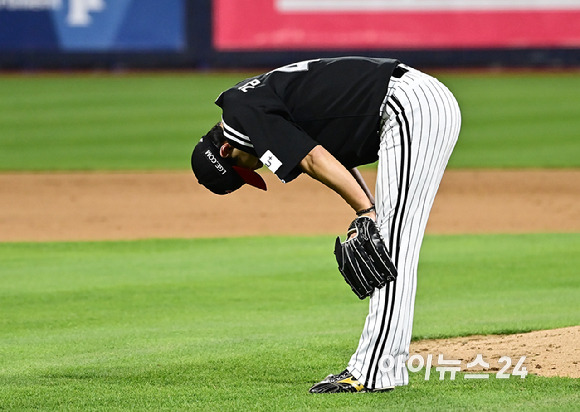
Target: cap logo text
x,y
215,162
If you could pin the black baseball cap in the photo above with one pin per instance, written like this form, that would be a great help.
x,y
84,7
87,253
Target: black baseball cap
x,y
218,174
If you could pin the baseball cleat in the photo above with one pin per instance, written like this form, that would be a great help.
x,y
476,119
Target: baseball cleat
x,y
344,382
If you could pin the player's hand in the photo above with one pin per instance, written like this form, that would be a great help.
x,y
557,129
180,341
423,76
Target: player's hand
x,y
371,214
364,260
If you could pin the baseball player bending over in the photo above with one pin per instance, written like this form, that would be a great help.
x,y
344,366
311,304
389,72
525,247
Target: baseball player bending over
x,y
324,117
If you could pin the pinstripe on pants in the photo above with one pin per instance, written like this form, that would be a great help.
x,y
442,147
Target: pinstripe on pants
x,y
420,126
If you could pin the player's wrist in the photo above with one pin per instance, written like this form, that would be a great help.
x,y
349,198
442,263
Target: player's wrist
x,y
366,211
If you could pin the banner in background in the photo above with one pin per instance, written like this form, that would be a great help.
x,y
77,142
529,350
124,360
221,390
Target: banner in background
x,y
395,24
92,25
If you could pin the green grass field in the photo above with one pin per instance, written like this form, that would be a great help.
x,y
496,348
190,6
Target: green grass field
x,y
128,122
160,325
172,325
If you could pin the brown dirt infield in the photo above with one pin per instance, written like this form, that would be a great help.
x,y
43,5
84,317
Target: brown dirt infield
x,y
89,206
548,352
108,206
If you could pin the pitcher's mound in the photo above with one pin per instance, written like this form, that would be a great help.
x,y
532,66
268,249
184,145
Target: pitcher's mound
x,y
548,352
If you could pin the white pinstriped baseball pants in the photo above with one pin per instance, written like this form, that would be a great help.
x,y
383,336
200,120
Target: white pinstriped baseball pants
x,y
420,126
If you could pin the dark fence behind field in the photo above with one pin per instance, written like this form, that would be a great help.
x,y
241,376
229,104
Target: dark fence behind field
x,y
231,34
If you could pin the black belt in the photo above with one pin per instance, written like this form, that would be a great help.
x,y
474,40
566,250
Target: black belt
x,y
399,72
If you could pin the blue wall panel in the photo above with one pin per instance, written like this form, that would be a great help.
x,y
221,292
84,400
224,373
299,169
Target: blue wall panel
x,y
20,31
94,25
119,34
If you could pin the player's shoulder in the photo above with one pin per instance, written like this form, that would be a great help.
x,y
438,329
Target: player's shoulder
x,y
250,91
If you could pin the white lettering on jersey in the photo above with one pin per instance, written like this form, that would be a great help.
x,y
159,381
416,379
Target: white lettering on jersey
x,y
249,85
271,161
291,68
295,67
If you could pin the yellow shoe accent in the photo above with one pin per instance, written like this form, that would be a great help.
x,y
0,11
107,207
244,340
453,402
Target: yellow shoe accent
x,y
353,382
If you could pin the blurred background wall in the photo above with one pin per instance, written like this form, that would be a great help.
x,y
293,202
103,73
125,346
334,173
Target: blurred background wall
x,y
221,34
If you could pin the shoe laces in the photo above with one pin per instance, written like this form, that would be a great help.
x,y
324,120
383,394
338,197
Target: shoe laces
x,y
340,376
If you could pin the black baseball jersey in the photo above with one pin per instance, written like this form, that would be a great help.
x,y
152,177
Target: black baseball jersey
x,y
280,116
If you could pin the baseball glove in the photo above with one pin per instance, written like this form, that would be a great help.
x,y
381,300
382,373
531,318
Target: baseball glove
x,y
363,259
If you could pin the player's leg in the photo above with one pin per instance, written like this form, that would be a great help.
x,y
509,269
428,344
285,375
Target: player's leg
x,y
422,122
